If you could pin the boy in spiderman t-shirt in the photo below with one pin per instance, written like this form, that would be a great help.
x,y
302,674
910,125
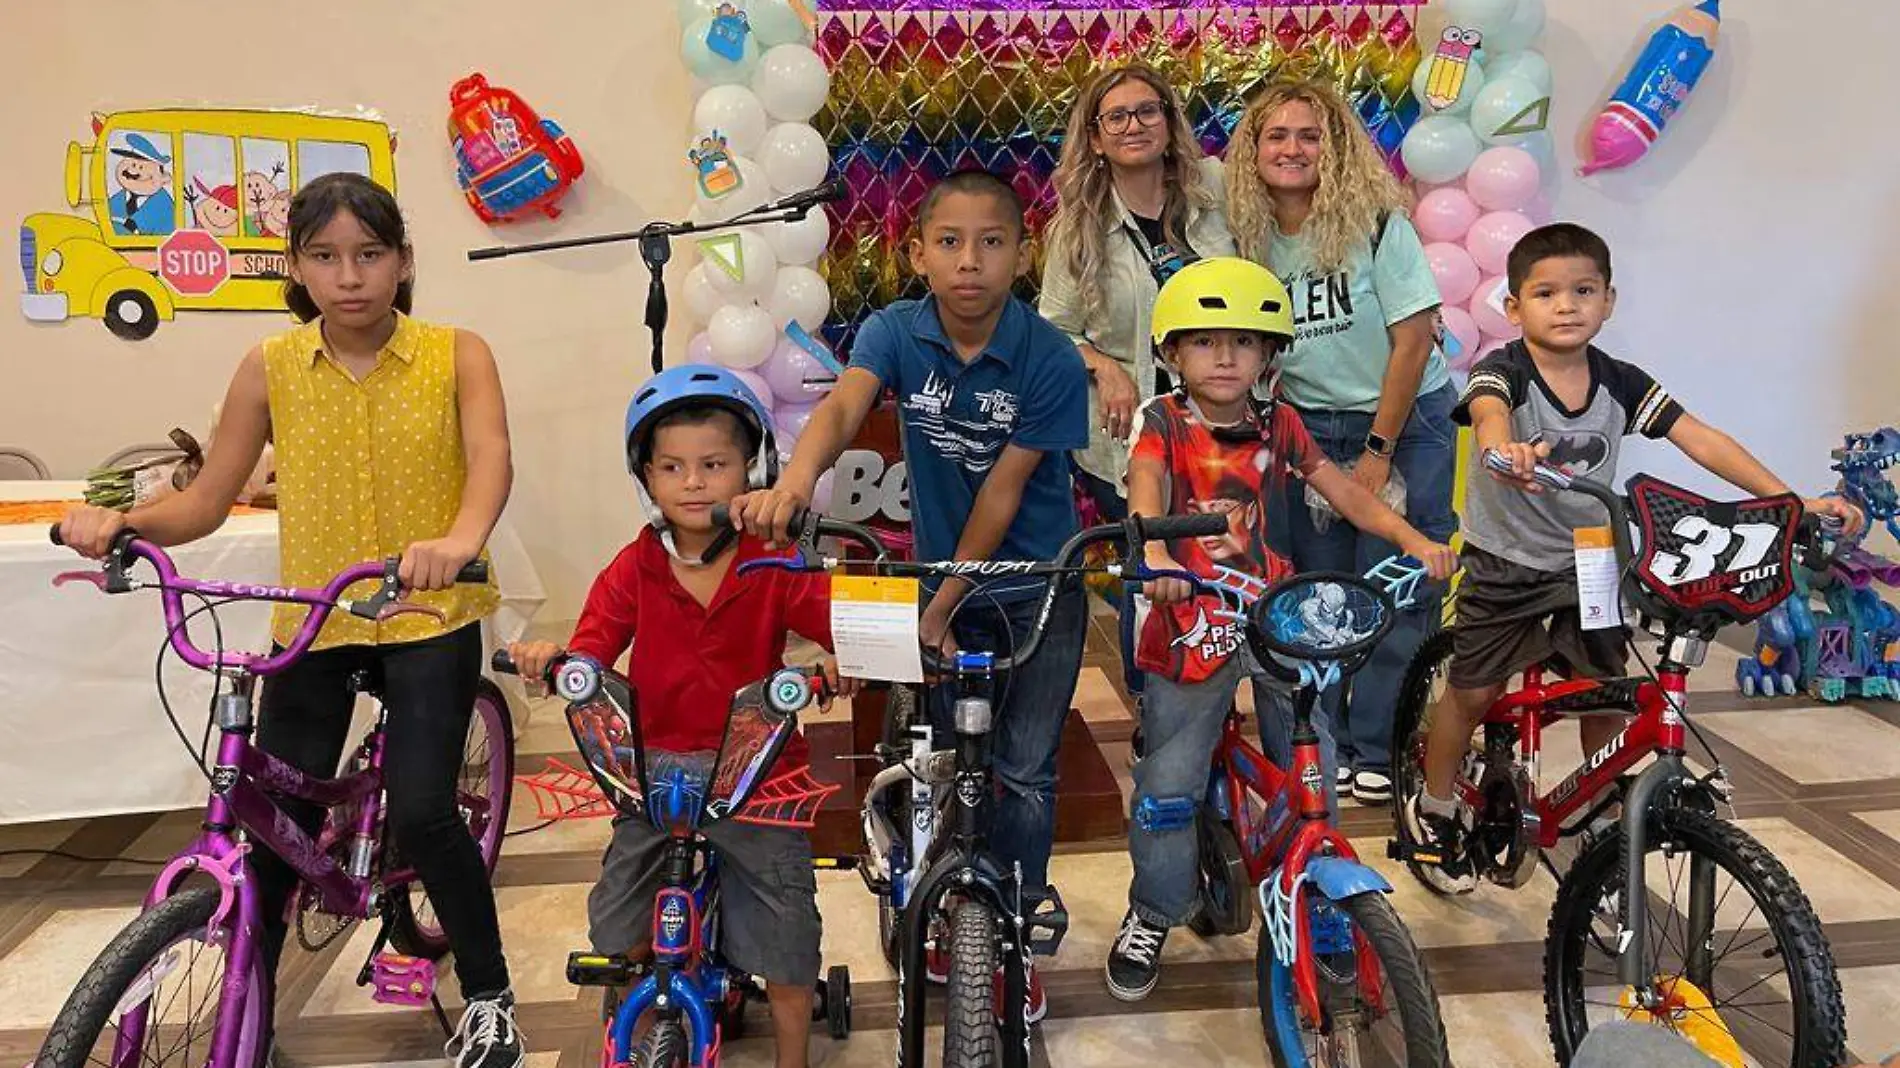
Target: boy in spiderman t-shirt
x,y
1212,446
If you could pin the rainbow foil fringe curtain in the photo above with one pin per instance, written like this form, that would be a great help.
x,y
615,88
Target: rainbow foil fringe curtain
x,y
921,88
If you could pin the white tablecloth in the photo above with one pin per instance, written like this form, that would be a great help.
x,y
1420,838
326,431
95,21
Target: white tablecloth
x,y
82,732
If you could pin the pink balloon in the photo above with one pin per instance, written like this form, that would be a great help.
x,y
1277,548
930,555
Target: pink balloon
x,y
1491,322
1457,274
1503,179
699,350
1492,237
1459,324
795,375
759,387
1445,214
789,421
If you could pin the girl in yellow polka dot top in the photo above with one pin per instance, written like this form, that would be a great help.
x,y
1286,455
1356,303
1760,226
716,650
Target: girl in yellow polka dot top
x,y
391,439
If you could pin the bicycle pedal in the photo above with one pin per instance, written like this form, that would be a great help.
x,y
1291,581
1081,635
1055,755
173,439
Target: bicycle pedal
x,y
1046,924
1413,854
399,980
599,969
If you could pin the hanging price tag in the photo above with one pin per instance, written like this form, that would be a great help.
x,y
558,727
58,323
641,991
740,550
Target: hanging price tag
x,y
874,628
1599,603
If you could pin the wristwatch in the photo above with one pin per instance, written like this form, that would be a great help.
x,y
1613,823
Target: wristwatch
x,y
1381,446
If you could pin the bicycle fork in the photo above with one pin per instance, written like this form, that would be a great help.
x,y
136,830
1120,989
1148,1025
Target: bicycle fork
x,y
1634,968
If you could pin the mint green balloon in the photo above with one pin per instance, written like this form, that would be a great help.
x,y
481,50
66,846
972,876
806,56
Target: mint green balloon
x,y
775,23
1530,66
1467,93
712,68
1504,102
1439,148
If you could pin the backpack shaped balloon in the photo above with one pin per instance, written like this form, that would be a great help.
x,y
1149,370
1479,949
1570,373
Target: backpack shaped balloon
x,y
509,161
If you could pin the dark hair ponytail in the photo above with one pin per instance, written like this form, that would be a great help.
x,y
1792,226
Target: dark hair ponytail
x,y
317,203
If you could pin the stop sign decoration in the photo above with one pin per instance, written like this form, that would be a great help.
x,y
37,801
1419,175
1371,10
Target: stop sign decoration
x,y
193,263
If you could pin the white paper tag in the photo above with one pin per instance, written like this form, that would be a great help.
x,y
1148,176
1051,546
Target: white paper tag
x,y
1599,604
874,628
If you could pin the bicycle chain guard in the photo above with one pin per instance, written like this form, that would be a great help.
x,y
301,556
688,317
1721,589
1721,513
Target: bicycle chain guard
x,y
1510,826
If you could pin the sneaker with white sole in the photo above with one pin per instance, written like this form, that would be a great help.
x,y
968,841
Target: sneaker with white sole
x,y
1134,965
1371,787
1437,832
486,1037
1342,780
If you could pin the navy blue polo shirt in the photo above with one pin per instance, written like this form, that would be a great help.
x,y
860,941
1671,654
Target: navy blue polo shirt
x,y
1027,388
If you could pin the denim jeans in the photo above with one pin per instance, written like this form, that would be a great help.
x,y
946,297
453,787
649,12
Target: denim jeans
x,y
1182,724
1031,703
1426,454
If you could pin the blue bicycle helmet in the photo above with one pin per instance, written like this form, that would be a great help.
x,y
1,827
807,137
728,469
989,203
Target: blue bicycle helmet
x,y
696,385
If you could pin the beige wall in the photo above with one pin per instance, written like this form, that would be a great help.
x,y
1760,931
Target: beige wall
x,y
565,327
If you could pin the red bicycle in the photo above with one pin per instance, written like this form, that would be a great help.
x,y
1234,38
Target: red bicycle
x,y
1620,944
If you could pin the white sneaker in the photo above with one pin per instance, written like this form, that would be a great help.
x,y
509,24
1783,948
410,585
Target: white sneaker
x,y
1442,833
1372,788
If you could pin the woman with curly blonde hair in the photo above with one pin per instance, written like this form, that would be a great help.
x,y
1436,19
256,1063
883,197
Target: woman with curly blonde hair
x,y
1138,200
1309,196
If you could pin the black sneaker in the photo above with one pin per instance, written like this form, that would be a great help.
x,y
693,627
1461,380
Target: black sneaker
x,y
1134,965
486,1037
1437,832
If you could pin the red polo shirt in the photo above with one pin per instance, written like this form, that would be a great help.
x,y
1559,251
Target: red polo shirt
x,y
689,660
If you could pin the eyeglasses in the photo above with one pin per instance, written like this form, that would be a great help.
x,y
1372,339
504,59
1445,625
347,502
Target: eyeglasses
x,y
1117,121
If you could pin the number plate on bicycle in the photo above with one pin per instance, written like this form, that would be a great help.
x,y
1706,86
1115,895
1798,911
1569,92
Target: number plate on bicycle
x,y
1715,561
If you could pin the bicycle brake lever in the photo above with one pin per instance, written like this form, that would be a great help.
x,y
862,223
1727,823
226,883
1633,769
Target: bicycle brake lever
x,y
95,577
404,608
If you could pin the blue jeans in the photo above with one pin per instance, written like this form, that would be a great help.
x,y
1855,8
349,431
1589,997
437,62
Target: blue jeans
x,y
1426,455
1182,724
1031,704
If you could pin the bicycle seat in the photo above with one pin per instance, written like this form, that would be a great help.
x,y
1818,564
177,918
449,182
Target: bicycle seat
x,y
1322,619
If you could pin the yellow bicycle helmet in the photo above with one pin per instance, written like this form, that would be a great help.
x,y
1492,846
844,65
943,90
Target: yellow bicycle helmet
x,y
1223,293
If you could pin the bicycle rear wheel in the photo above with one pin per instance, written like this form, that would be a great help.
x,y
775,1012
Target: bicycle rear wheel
x,y
1420,692
1746,973
1376,1012
483,790
122,1012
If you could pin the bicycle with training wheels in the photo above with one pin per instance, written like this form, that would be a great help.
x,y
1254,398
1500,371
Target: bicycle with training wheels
x,y
696,998
1729,971
1335,968
194,946
927,815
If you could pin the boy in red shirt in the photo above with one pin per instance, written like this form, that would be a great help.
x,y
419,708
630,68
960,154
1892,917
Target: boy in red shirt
x,y
697,437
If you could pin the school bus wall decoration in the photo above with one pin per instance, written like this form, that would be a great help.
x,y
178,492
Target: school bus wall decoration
x,y
185,209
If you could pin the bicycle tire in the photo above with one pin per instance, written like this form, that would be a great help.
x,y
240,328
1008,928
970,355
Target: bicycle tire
x,y
1409,729
1819,1035
1407,983
412,929
970,1038
900,711
1226,893
664,1047
93,1005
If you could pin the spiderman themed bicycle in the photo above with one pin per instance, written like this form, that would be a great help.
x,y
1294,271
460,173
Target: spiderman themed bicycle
x,y
1675,917
695,998
1340,980
195,948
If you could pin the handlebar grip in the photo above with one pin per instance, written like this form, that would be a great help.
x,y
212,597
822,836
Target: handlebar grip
x,y
475,571
503,663
53,533
722,517
1543,473
1171,527
494,252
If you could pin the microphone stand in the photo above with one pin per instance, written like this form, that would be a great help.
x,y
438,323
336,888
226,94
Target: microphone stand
x,y
656,248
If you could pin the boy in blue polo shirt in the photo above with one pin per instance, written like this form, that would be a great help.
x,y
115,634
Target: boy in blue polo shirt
x,y
992,398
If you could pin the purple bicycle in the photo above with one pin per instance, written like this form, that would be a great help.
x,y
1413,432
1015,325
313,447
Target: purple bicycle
x,y
195,947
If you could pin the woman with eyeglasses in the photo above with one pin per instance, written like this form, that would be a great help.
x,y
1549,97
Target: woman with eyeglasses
x,y
1310,197
1139,200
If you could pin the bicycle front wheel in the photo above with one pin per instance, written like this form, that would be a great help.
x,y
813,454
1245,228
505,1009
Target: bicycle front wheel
x,y
1376,1000
151,998
482,792
1735,948
969,1034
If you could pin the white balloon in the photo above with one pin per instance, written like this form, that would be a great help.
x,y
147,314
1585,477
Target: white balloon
x,y
701,296
742,335
754,189
1485,16
794,156
801,242
733,111
759,267
1530,66
792,82
775,23
800,295
1523,27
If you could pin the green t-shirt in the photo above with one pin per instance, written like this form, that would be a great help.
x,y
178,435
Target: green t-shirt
x,y
1340,347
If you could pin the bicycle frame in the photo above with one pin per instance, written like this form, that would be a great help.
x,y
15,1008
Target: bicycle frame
x,y
680,982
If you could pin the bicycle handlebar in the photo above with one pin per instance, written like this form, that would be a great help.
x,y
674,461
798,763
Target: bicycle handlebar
x,y
128,548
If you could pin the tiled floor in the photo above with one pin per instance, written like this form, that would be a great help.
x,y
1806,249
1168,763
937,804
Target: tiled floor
x,y
1819,786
